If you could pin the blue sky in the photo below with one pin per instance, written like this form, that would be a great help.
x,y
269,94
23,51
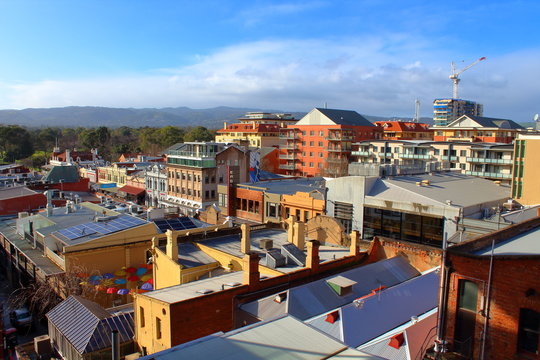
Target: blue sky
x,y
374,57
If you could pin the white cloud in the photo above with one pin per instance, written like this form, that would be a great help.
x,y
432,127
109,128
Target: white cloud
x,y
297,75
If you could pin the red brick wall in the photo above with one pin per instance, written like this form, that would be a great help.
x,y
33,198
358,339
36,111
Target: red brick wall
x,y
421,257
511,278
24,203
254,195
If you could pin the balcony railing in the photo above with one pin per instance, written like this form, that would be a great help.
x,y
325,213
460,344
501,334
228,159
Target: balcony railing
x,y
384,154
361,153
489,161
415,156
492,175
287,156
338,150
339,138
287,167
337,160
289,147
449,158
289,136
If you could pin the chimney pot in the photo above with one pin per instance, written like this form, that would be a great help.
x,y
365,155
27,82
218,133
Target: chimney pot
x,y
245,242
172,246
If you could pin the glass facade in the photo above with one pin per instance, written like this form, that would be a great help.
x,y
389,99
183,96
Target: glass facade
x,y
403,226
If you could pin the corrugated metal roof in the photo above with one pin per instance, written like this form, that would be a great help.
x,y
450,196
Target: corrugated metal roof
x,y
384,350
87,326
375,315
282,338
317,297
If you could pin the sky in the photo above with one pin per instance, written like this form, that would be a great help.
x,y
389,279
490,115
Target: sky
x,y
374,57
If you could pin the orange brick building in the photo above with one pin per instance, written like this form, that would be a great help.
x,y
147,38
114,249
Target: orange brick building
x,y
320,143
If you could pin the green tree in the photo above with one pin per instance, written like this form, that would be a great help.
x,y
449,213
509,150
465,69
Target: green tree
x,y
199,133
15,143
170,135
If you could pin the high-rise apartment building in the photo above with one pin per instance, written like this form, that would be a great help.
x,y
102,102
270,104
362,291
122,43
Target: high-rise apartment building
x,y
320,143
447,110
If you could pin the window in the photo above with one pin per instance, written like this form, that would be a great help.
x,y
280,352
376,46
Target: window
x,y
311,154
312,143
320,144
303,143
436,152
463,153
206,179
213,194
306,215
304,133
158,328
141,316
312,133
321,133
271,210
311,164
462,166
320,155
529,327
222,200
206,194
298,213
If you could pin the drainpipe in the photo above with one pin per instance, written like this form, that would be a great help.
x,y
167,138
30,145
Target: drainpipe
x,y
115,351
486,310
440,343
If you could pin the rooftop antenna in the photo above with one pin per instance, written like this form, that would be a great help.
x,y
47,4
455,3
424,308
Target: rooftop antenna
x,y
325,105
455,75
416,111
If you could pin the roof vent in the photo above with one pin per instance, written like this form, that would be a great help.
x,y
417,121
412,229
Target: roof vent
x,y
396,341
341,285
205,291
233,284
280,298
448,202
332,317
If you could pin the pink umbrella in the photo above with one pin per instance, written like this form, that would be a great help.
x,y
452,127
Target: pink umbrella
x,y
112,290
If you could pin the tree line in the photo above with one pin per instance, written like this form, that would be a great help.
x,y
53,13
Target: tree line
x,y
33,146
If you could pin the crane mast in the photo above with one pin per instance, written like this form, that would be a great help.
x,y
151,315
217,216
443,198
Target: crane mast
x,y
455,75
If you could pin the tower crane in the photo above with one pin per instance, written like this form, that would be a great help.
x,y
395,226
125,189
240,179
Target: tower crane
x,y
455,75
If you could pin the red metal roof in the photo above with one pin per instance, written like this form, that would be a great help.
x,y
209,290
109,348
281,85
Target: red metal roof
x,y
132,190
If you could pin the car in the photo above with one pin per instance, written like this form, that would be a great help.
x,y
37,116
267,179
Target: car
x,y
21,317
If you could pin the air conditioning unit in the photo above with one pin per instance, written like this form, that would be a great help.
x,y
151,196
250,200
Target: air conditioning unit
x,y
266,244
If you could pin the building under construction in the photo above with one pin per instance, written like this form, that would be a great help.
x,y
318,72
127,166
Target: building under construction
x,y
447,110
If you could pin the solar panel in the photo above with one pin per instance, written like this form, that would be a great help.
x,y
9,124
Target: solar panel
x,y
182,223
120,223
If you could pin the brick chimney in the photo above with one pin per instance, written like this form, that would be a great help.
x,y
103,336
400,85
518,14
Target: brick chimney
x,y
251,269
299,235
312,259
245,241
355,238
290,229
172,246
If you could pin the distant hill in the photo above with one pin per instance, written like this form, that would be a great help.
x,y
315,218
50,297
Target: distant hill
x,y
89,116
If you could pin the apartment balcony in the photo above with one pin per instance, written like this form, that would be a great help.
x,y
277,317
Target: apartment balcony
x,y
337,160
289,136
338,150
489,161
385,154
287,167
339,138
362,153
490,175
415,156
289,147
287,156
449,158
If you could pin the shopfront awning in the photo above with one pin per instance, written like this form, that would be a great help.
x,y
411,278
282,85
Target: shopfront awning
x,y
132,190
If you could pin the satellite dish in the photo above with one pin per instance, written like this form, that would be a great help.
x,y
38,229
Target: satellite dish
x,y
535,117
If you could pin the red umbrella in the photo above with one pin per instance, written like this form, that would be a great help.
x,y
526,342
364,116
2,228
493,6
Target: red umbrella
x,y
131,270
150,281
112,290
133,278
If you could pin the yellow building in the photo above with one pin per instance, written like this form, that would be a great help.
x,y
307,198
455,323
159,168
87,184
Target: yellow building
x,y
526,171
113,174
302,205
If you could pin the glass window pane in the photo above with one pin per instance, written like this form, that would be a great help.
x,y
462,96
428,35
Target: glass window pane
x,y
468,295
